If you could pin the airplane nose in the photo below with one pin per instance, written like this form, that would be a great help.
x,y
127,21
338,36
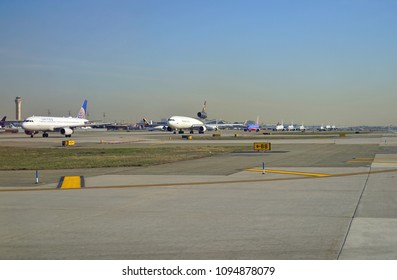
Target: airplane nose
x,y
25,125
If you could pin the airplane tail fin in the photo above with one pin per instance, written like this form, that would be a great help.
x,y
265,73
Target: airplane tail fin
x,y
145,122
203,113
83,110
3,120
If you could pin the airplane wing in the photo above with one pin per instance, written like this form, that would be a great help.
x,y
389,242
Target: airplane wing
x,y
88,124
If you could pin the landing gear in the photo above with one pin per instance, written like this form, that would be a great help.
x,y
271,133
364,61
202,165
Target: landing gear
x,y
45,135
31,133
191,132
181,131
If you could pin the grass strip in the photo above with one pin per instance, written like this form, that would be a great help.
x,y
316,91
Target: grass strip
x,y
16,158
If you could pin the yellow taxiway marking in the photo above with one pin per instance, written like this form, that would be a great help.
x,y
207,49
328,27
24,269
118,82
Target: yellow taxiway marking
x,y
71,182
212,182
288,172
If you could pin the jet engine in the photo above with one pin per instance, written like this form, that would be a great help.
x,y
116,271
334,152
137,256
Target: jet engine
x,y
202,129
202,115
27,132
167,128
66,131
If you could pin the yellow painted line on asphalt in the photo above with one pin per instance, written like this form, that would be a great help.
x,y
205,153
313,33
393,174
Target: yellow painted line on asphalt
x,y
288,172
360,160
212,182
243,181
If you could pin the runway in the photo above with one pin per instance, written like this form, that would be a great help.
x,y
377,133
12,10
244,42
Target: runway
x,y
220,207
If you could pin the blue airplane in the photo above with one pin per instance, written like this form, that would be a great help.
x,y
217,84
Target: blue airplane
x,y
253,127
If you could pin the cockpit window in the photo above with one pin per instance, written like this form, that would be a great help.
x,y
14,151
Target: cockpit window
x,y
171,120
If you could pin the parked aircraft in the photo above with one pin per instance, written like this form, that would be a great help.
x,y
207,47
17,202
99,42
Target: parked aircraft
x,y
302,127
291,127
238,125
3,122
328,127
220,124
64,125
279,127
153,126
213,126
7,126
253,127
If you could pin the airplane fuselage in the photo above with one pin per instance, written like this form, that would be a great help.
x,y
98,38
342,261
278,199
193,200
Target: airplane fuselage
x,y
252,127
65,126
181,122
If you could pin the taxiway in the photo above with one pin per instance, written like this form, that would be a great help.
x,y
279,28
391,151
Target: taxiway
x,y
220,207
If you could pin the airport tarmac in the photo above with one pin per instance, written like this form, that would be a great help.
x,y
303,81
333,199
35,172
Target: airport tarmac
x,y
320,198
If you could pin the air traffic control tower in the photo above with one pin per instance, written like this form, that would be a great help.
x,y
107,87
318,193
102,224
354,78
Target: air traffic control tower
x,y
18,103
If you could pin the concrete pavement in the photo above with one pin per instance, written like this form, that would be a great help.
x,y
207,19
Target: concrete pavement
x,y
214,208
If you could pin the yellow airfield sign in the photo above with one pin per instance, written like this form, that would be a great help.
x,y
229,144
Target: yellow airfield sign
x,y
264,146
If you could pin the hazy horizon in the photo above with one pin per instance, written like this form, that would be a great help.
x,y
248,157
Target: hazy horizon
x,y
317,62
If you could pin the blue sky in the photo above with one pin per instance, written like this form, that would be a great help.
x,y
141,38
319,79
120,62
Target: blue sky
x,y
311,61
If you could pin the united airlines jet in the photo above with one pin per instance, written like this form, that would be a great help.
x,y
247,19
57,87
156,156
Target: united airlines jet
x,y
64,125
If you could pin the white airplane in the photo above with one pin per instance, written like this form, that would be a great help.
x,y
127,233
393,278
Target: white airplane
x,y
212,126
302,127
291,127
180,123
153,126
65,125
203,114
328,127
280,127
220,124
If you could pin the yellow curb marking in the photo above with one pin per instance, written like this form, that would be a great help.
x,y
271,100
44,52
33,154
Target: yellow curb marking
x,y
71,182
